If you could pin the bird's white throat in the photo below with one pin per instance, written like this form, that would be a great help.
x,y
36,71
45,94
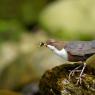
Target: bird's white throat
x,y
63,53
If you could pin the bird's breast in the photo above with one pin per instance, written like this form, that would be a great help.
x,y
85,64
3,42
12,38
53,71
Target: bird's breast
x,y
62,53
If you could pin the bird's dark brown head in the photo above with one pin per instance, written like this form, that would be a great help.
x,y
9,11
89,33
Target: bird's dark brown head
x,y
50,42
58,44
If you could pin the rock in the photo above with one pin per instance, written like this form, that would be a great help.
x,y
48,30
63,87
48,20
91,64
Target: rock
x,y
69,19
91,61
8,53
31,89
55,82
17,74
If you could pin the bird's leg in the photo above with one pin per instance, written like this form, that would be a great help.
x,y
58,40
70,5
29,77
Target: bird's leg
x,y
76,69
80,76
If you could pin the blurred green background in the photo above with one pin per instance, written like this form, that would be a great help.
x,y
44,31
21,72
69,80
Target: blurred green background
x,y
24,24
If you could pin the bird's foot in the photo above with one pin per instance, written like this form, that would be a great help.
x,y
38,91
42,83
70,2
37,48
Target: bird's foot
x,y
79,79
72,72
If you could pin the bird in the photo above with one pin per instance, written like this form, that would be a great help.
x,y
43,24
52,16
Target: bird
x,y
72,51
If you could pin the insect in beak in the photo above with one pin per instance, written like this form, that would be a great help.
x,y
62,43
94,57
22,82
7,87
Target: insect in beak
x,y
42,44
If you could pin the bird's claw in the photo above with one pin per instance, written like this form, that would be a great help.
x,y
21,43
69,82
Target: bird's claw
x,y
72,72
79,80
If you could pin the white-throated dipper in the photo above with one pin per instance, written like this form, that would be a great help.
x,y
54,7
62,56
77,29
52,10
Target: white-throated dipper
x,y
72,51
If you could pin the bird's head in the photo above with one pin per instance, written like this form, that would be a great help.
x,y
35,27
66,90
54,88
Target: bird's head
x,y
53,44
49,43
56,46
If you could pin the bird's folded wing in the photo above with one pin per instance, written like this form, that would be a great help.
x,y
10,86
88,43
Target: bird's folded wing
x,y
81,48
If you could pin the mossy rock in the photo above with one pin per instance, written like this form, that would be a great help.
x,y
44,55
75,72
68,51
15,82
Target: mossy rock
x,y
69,19
56,82
17,74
